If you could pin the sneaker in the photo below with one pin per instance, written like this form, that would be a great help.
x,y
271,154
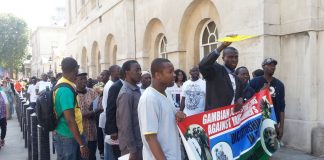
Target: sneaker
x,y
2,143
102,156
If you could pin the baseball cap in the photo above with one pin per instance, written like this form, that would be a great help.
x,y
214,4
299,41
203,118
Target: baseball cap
x,y
81,72
145,72
269,61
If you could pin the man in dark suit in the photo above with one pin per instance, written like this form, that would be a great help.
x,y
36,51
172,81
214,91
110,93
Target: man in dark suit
x,y
111,124
223,88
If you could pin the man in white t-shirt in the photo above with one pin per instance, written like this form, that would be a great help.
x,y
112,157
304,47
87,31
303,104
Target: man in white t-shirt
x,y
31,96
193,94
158,116
43,84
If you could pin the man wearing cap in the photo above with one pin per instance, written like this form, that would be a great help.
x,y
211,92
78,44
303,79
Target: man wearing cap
x,y
277,91
145,80
85,98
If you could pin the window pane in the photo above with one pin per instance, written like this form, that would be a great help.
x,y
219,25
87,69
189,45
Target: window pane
x,y
212,27
206,50
212,39
165,40
213,46
205,36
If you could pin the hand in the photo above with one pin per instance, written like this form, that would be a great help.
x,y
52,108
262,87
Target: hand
x,y
98,110
84,152
238,105
180,116
133,156
223,46
280,132
114,136
265,86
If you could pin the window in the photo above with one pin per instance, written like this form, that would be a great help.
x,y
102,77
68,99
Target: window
x,y
209,38
162,48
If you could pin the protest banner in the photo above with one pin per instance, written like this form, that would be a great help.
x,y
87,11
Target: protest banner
x,y
222,134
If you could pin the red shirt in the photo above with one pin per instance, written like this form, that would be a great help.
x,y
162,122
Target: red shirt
x,y
18,86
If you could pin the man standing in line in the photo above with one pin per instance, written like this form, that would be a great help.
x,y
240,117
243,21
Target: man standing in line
x,y
31,93
126,114
111,151
85,98
145,80
158,116
68,132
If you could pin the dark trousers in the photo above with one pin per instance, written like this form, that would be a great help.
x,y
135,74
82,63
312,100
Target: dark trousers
x,y
116,150
92,145
33,104
100,137
3,126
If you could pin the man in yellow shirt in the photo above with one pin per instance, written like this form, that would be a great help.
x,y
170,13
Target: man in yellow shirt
x,y
68,137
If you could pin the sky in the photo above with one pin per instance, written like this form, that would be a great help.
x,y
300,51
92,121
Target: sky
x,y
34,12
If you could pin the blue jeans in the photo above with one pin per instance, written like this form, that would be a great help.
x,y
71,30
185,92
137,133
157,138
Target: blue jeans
x,y
108,153
66,148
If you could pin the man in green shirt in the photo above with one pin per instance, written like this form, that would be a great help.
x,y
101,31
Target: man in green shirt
x,y
68,133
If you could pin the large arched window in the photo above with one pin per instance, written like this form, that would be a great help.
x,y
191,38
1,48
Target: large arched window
x,y
209,38
162,47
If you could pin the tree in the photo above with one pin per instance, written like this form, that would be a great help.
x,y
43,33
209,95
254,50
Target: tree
x,y
13,42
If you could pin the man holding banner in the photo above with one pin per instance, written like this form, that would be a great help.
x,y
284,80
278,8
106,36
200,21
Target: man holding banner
x,y
223,88
277,91
157,115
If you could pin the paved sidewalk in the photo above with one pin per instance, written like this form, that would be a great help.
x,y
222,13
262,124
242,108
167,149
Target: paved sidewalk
x,y
292,154
14,147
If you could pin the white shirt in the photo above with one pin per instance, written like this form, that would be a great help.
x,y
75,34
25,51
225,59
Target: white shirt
x,y
156,114
42,85
175,92
233,85
32,92
194,93
102,117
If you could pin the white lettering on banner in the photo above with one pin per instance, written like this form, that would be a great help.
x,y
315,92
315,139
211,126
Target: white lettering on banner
x,y
216,116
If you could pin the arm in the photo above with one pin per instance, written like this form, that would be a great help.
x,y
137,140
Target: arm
x,y
125,126
28,94
70,120
37,88
282,111
155,146
182,103
111,125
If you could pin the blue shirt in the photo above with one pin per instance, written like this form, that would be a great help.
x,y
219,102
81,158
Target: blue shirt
x,y
278,94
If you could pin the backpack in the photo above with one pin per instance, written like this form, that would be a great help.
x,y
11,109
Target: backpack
x,y
45,110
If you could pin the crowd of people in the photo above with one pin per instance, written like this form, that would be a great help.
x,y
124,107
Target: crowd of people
x,y
130,112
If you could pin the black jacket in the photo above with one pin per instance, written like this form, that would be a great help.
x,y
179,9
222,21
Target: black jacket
x,y
111,125
219,90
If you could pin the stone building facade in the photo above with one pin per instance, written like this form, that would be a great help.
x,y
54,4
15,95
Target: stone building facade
x,y
48,45
105,32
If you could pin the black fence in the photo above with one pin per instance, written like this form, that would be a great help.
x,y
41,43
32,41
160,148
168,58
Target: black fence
x,y
36,139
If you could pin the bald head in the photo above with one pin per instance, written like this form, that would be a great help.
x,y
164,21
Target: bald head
x,y
114,71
